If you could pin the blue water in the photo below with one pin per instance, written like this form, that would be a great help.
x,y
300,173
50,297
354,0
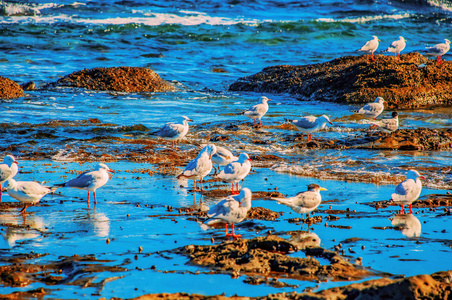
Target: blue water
x,y
184,41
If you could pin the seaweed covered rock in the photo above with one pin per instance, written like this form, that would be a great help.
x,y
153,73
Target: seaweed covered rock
x,y
120,79
9,89
412,82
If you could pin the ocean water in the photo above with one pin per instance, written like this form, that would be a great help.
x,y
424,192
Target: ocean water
x,y
185,42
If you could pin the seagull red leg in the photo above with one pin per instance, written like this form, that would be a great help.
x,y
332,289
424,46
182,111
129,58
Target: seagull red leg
x,y
95,199
202,189
411,212
1,193
233,233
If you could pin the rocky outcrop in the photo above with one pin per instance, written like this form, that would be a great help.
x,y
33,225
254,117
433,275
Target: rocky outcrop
x,y
120,79
9,89
412,82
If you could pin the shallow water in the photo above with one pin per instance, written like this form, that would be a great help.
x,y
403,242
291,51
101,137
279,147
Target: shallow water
x,y
131,213
185,43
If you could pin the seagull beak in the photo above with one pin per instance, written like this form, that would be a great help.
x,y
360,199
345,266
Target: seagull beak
x,y
190,120
421,177
323,189
249,159
15,162
210,157
331,123
111,171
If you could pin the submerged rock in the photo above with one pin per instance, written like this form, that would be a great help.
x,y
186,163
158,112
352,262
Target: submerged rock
x,y
268,255
412,82
120,79
9,89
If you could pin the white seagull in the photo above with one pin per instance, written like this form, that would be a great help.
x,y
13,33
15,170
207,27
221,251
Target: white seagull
x,y
439,50
257,111
409,190
174,131
370,47
397,46
310,124
8,169
201,166
388,125
304,202
222,157
231,210
373,109
27,192
236,171
90,180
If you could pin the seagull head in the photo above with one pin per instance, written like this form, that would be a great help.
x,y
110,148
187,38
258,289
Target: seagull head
x,y
395,114
380,100
402,38
102,166
186,119
326,119
210,149
313,187
413,174
376,38
245,196
9,160
10,183
446,41
244,157
264,99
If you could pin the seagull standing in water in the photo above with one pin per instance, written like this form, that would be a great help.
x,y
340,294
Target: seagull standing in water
x,y
397,46
257,111
90,180
370,47
304,202
409,190
236,171
27,192
439,50
231,210
222,157
8,169
388,125
174,131
373,109
310,124
201,166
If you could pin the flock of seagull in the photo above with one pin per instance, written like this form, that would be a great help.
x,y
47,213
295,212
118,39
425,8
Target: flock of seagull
x,y
234,208
397,46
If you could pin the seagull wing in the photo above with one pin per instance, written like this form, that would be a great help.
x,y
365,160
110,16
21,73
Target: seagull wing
x,y
307,122
5,172
170,130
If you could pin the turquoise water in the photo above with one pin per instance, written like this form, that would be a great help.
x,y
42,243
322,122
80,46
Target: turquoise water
x,y
184,42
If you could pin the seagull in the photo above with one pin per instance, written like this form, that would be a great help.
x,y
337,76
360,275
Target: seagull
x,y
27,192
257,111
388,125
236,171
201,166
439,50
222,157
397,46
304,202
231,210
8,169
90,180
373,109
174,131
370,47
310,124
409,190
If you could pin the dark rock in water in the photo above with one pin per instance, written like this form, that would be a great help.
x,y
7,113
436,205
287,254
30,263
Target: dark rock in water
x,y
120,79
29,86
412,82
9,89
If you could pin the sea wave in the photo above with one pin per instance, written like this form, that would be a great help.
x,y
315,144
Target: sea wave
x,y
366,19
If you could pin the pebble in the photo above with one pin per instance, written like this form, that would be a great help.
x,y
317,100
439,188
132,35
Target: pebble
x,y
107,241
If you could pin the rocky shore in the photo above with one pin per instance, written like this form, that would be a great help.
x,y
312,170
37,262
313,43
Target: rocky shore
x,y
413,82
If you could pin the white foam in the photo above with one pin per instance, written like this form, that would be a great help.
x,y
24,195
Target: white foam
x,y
366,19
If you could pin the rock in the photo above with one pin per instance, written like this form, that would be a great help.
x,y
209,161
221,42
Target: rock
x,y
9,89
120,79
29,86
350,79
